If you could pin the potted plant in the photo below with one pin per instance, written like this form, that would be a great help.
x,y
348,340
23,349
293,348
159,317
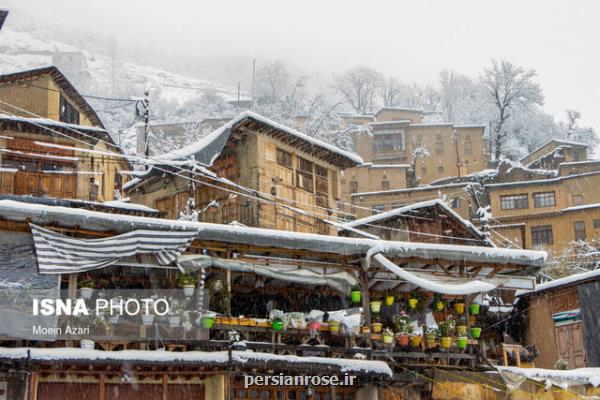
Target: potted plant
x,y
175,315
475,332
375,306
413,301
459,307
461,342
431,333
437,304
277,325
389,299
376,326
474,309
403,327
461,328
87,344
208,320
188,283
86,287
148,319
446,328
334,326
355,295
388,336
416,337
365,329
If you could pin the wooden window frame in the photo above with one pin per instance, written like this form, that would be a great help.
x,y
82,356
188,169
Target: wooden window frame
x,y
512,201
67,111
541,199
303,175
542,235
284,158
577,230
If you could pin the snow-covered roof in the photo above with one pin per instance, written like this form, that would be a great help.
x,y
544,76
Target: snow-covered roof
x,y
209,147
129,206
371,165
395,122
406,212
45,215
419,110
216,358
567,280
410,190
51,123
557,141
560,378
582,207
540,181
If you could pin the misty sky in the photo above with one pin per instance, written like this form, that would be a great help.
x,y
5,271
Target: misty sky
x,y
412,41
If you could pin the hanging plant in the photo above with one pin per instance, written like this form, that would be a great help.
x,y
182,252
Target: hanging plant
x,y
414,300
355,295
438,304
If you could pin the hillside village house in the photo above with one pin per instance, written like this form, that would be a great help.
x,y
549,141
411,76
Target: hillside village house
x,y
308,275
555,152
453,150
259,157
560,318
42,119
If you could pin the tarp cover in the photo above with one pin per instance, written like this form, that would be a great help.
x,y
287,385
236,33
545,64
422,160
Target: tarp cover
x,y
337,279
589,294
58,254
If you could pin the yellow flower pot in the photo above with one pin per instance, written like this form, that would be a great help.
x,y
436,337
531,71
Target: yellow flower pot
x,y
459,308
388,339
461,330
377,327
415,341
375,306
445,342
389,300
334,326
365,329
430,342
412,303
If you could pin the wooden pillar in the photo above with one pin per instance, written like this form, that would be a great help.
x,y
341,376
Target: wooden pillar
x,y
165,387
364,289
72,288
33,384
102,387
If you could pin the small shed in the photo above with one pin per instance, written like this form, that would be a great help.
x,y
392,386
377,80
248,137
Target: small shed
x,y
562,321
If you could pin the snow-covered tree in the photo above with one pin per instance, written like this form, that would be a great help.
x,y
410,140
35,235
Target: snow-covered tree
x,y
510,89
359,87
570,130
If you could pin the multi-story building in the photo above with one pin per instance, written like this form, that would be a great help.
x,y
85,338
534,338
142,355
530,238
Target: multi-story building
x,y
260,173
402,152
44,121
555,152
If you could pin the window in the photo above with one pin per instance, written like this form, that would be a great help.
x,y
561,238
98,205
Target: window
x,y
419,141
455,202
577,199
468,145
596,224
514,202
378,208
544,199
439,147
284,158
423,170
542,235
579,230
322,179
440,169
353,187
68,113
304,174
385,185
388,142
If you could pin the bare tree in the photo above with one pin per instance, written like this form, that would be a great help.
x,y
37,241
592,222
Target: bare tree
x,y
359,88
272,80
509,88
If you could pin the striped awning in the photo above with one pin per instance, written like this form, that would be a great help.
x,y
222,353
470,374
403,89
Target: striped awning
x,y
59,254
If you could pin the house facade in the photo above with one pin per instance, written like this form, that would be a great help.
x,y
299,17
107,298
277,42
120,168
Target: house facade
x,y
44,122
260,174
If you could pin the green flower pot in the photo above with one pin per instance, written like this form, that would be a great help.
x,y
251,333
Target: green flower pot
x,y
475,332
461,342
355,296
277,325
474,309
208,322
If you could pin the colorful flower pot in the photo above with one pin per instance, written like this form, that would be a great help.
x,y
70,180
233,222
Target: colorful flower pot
x,y
365,329
415,341
355,296
388,339
314,325
389,300
474,309
375,306
476,332
334,326
208,322
461,330
403,339
445,342
459,308
277,325
188,290
86,293
439,306
412,303
430,342
377,327
461,342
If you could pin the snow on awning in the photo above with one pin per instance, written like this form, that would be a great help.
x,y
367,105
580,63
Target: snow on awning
x,y
514,376
57,253
471,287
337,279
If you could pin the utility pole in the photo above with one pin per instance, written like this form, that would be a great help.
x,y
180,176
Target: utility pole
x,y
146,104
455,141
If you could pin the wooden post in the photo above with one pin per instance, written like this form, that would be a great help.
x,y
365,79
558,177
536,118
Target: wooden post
x,y
364,289
33,383
102,387
165,387
72,288
228,292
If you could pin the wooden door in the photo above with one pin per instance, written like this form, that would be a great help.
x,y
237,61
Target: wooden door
x,y
571,349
